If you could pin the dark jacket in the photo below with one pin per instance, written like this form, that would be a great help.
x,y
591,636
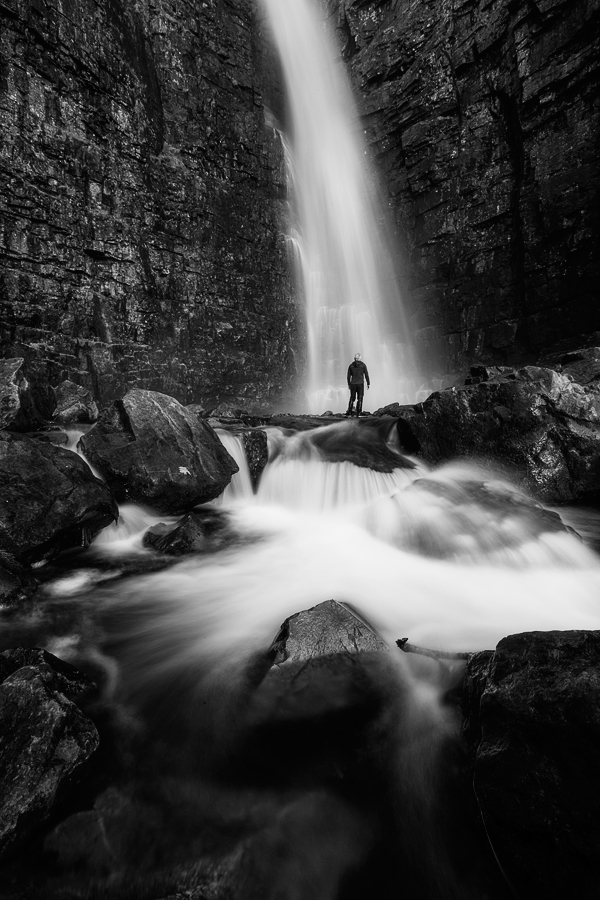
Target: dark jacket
x,y
357,372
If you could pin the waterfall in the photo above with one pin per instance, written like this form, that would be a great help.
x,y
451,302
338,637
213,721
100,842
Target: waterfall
x,y
352,299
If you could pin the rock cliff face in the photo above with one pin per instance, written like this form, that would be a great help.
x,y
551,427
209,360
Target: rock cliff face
x,y
141,201
483,121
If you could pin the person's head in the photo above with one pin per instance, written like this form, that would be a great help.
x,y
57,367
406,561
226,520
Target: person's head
x,y
356,357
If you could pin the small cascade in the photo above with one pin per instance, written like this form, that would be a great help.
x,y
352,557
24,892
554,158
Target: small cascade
x,y
303,475
124,537
240,486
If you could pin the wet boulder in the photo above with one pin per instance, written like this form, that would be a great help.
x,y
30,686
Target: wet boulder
x,y
203,531
323,662
533,725
50,500
541,423
74,404
468,516
45,741
26,401
153,450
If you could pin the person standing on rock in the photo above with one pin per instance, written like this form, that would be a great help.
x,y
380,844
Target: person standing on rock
x,y
357,374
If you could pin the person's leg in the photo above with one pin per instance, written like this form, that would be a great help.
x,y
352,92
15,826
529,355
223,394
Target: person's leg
x,y
359,399
350,409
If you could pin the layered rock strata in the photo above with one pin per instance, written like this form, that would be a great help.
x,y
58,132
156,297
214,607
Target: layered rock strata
x,y
482,120
141,201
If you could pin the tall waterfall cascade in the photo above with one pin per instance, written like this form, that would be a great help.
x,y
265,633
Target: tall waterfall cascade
x,y
347,278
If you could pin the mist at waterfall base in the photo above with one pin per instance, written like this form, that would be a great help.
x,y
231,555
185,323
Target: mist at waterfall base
x,y
218,776
346,276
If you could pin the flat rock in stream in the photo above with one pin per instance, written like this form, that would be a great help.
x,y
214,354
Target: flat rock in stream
x,y
50,500
44,740
152,450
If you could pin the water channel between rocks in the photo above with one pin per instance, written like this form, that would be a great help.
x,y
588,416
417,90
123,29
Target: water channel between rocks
x,y
202,760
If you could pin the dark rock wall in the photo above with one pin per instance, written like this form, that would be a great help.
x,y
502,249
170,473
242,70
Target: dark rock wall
x,y
482,117
142,199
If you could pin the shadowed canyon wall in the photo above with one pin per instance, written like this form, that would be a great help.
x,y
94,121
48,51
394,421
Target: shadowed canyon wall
x,y
142,200
142,195
482,117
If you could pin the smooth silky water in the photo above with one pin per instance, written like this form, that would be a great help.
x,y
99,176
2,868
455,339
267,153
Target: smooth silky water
x,y
454,559
348,283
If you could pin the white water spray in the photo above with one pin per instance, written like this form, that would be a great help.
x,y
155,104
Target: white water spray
x,y
351,295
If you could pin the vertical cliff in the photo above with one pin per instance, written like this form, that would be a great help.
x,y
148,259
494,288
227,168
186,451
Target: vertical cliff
x,y
142,199
482,117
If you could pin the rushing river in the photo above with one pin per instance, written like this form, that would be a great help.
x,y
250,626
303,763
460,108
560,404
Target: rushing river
x,y
454,559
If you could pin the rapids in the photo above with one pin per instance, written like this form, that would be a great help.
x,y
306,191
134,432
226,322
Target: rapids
x,y
453,559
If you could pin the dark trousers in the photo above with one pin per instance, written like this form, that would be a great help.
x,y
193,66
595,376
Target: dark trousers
x,y
357,392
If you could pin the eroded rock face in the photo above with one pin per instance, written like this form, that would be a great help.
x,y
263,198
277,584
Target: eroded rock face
x,y
74,404
539,422
45,740
143,244
152,450
533,722
25,404
50,500
481,121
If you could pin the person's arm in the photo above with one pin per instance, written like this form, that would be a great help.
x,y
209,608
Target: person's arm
x,y
349,374
367,377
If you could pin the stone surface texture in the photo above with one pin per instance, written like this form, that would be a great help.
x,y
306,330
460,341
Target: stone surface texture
x,y
49,500
539,422
533,723
74,404
25,403
152,450
142,198
483,121
44,740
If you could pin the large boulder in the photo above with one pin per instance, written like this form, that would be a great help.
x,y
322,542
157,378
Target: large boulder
x,y
44,740
540,422
533,723
153,450
25,402
50,500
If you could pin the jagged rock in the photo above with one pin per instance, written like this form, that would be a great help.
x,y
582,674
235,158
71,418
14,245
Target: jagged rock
x,y
25,402
533,723
50,500
74,404
44,740
582,365
205,531
152,450
257,452
539,422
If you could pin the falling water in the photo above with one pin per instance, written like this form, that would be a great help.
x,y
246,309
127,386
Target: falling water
x,y
352,299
